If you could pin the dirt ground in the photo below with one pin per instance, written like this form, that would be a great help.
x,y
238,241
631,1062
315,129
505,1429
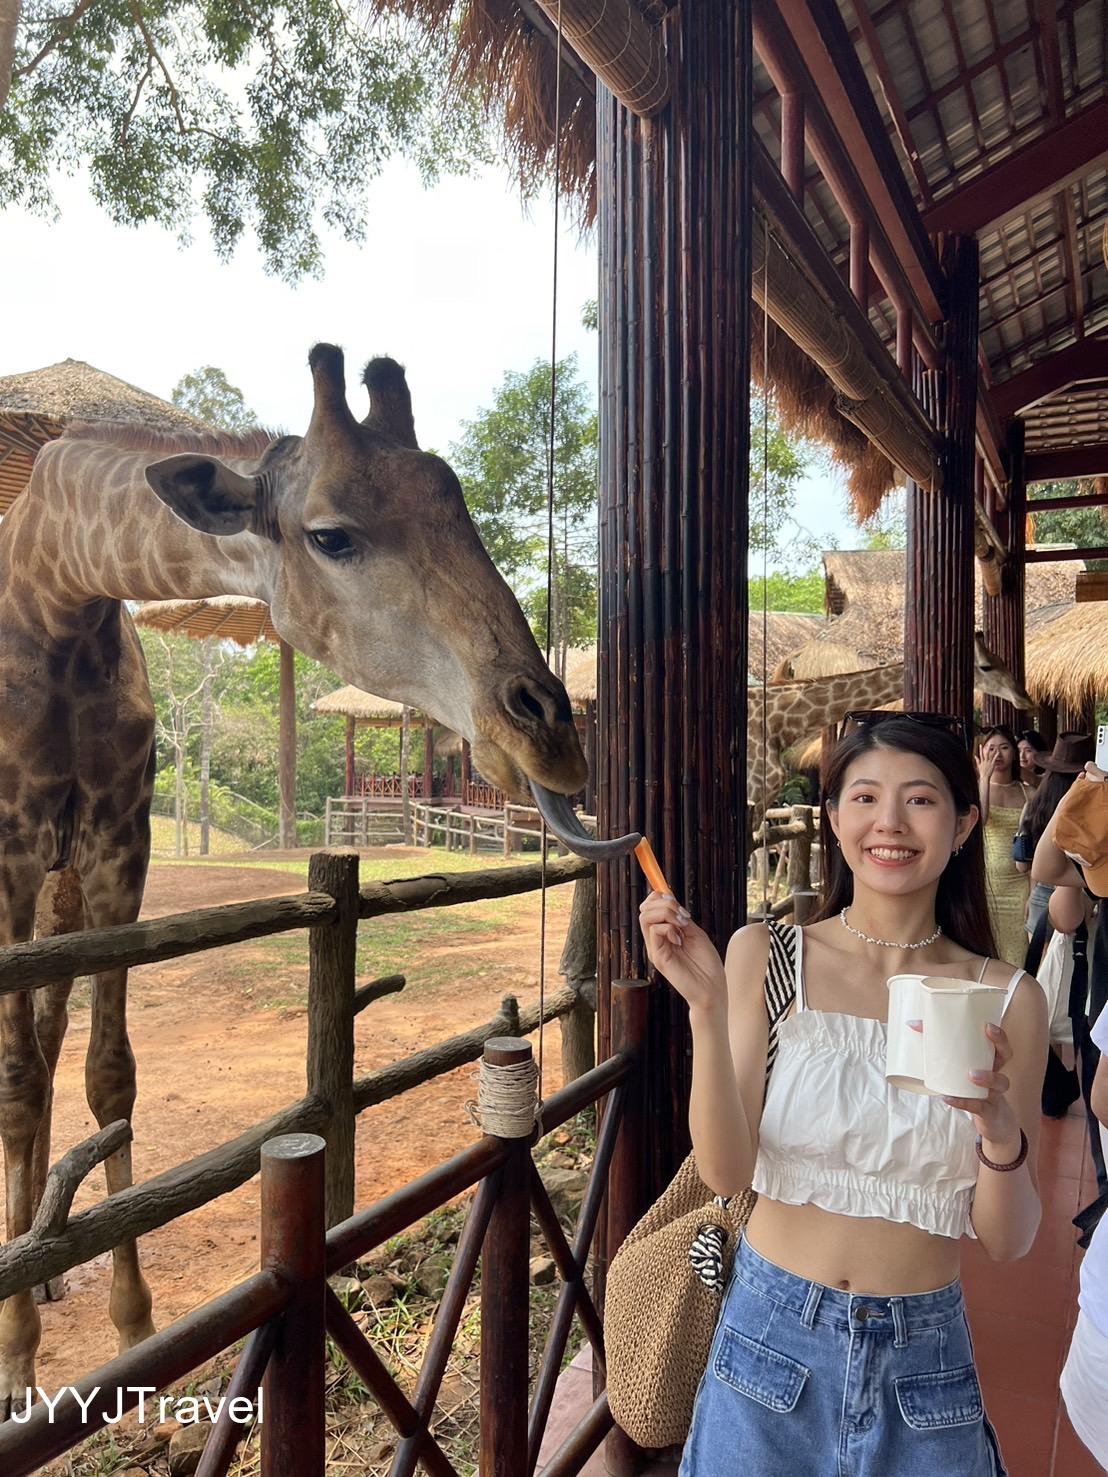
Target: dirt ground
x,y
219,1047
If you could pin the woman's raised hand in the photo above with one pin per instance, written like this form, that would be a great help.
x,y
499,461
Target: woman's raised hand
x,y
682,952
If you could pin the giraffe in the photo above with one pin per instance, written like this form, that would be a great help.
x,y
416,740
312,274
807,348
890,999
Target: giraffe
x,y
362,546
796,710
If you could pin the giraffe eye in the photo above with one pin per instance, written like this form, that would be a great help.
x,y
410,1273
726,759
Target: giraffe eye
x,y
333,542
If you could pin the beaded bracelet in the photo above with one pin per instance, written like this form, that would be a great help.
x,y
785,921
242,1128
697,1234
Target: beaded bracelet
x,y
1003,1168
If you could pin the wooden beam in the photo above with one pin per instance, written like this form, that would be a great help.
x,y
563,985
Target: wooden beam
x,y
1067,462
787,66
832,61
1046,555
1043,167
1054,504
792,142
1085,360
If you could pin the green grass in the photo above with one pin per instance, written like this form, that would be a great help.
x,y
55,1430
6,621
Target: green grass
x,y
163,839
428,862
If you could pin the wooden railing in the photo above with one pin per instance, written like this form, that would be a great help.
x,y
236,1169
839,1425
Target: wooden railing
x,y
330,910
357,820
288,1309
783,859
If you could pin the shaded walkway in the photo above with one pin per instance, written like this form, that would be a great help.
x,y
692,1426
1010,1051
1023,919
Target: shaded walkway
x,y
1021,1315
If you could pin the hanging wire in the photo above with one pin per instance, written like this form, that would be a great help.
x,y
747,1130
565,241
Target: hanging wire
x,y
550,497
765,569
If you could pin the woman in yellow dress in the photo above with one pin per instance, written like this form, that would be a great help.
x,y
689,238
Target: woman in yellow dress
x,y
1002,798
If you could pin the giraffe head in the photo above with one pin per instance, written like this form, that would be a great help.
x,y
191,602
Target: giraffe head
x,y
370,563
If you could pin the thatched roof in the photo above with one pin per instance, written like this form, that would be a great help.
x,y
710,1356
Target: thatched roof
x,y
224,617
867,588
36,406
365,707
1067,654
580,679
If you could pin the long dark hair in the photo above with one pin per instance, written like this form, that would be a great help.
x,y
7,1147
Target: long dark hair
x,y
960,906
1045,802
1001,730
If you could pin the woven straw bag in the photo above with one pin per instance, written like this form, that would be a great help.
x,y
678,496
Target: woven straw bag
x,y
666,1282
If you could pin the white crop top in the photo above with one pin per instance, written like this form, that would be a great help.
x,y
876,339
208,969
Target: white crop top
x,y
835,1134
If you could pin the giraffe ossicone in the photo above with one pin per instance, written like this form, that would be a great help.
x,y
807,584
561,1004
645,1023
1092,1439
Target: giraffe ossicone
x,y
362,547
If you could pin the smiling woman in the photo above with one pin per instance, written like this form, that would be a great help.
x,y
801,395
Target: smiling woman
x,y
865,1188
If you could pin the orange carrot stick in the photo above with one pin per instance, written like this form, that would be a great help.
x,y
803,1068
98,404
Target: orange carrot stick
x,y
649,863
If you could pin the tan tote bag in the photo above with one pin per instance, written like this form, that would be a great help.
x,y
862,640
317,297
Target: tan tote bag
x,y
666,1282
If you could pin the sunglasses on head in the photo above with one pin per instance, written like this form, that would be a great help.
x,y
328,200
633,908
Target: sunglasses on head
x,y
871,717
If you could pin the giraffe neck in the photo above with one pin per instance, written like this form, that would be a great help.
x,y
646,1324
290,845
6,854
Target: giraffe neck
x,y
89,528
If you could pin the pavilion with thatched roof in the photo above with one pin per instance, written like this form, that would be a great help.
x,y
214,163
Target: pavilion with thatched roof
x,y
36,406
1067,661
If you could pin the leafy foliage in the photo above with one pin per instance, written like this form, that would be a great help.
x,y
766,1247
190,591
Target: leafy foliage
x,y
1085,527
209,395
256,112
800,593
501,460
776,466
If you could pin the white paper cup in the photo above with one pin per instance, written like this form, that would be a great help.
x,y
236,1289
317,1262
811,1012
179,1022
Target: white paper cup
x,y
904,1059
955,1014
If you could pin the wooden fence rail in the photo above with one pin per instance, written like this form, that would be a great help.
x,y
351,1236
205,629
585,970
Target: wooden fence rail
x,y
287,1306
331,910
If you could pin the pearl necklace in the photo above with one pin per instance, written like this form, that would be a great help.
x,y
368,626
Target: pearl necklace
x,y
885,943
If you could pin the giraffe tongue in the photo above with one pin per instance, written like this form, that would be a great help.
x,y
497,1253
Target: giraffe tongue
x,y
563,821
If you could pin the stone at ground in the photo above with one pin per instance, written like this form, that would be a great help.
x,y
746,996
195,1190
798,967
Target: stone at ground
x,y
186,1447
543,1270
348,1290
566,1188
379,1290
433,1273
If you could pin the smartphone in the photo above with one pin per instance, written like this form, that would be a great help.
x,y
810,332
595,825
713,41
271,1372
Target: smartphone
x,y
1102,746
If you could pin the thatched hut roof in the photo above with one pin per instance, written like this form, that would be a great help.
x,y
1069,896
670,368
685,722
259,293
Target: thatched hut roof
x,y
222,617
36,406
865,592
1067,654
785,631
364,707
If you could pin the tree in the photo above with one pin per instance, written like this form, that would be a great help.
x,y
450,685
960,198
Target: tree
x,y
801,593
501,461
210,396
776,466
271,115
1085,527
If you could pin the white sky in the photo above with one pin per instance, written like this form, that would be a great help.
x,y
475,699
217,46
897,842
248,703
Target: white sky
x,y
453,281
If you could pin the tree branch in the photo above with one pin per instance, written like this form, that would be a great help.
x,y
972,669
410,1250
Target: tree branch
x,y
9,24
174,95
64,24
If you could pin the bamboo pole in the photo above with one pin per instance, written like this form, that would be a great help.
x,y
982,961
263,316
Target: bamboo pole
x,y
938,632
1004,615
287,746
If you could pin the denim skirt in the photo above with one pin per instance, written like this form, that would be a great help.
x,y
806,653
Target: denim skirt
x,y
808,1381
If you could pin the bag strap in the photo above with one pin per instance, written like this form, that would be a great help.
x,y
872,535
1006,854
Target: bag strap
x,y
780,982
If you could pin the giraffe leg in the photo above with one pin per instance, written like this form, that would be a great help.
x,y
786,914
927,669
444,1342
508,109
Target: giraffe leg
x,y
60,909
110,1088
24,1092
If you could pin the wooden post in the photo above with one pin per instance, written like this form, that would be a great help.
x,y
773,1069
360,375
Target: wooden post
x,y
349,782
628,1183
505,1302
429,763
799,878
675,238
792,142
467,771
578,968
331,952
405,752
292,1231
938,629
859,261
287,745
1004,615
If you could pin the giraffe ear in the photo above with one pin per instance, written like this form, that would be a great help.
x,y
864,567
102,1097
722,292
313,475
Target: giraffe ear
x,y
204,493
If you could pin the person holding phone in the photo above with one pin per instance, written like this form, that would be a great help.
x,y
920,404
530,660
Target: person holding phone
x,y
843,1327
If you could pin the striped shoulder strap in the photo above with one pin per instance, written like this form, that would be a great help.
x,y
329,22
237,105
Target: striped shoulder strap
x,y
780,984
